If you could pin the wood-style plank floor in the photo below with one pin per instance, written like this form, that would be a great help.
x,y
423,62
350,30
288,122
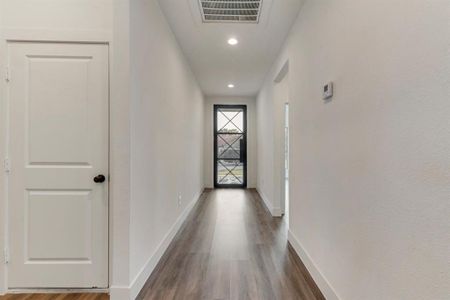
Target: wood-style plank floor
x,y
230,248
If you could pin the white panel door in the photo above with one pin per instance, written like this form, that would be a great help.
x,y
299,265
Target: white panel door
x,y
58,215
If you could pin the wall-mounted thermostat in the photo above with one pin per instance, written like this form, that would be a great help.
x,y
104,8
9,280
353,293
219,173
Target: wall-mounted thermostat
x,y
328,91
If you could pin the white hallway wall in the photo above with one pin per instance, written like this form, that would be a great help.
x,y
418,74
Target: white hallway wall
x,y
209,137
167,139
265,143
57,15
370,170
166,157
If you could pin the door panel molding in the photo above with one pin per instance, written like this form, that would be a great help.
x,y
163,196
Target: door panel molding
x,y
51,189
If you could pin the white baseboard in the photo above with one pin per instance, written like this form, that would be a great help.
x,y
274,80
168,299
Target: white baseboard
x,y
119,292
318,277
274,211
58,291
131,292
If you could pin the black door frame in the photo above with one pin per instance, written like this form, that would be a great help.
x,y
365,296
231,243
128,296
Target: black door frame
x,y
243,157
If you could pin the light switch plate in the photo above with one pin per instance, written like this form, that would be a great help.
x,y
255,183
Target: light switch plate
x,y
328,91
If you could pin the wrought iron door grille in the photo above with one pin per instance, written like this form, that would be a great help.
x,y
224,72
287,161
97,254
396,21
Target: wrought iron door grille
x,y
230,159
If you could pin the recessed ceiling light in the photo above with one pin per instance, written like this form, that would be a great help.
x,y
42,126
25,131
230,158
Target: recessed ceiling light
x,y
233,41
231,85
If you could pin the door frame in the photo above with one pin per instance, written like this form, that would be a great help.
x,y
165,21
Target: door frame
x,y
8,35
215,134
286,162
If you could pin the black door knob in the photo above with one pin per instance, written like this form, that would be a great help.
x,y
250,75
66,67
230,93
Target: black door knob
x,y
99,178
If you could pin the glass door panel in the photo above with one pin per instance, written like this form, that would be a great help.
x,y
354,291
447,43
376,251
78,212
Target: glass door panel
x,y
230,144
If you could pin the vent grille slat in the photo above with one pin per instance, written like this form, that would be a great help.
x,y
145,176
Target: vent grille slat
x,y
244,11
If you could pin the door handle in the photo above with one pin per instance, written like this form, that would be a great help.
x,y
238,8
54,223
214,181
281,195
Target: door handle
x,y
99,178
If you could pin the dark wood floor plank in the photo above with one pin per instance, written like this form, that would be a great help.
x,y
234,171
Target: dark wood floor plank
x,y
230,247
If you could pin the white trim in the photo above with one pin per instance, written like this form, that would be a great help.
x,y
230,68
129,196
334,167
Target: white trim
x,y
282,73
3,154
57,291
119,292
138,282
323,284
131,292
274,211
56,35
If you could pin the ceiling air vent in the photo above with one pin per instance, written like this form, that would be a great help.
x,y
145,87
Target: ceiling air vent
x,y
237,11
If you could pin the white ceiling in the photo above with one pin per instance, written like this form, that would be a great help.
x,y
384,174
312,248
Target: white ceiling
x,y
213,61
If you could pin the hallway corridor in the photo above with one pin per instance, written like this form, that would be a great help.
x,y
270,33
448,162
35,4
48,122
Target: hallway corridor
x,y
230,248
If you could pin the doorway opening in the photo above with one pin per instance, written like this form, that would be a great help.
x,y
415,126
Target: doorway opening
x,y
281,139
230,146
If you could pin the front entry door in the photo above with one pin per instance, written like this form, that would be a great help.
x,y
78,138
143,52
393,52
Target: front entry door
x,y
230,146
58,183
